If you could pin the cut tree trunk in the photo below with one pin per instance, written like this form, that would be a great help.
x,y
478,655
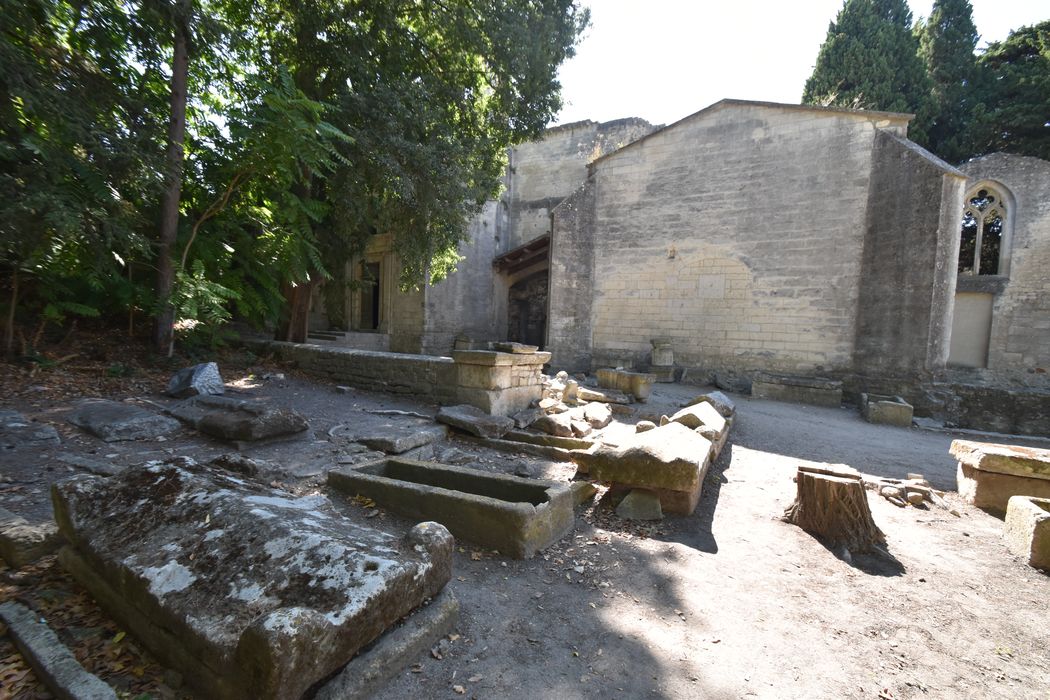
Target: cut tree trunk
x,y
169,209
832,505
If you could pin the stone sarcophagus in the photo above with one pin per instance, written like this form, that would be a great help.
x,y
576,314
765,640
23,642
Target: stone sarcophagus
x,y
989,474
249,591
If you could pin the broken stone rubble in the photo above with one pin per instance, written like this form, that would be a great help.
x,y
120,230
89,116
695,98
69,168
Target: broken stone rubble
x,y
475,421
23,543
199,379
249,591
238,419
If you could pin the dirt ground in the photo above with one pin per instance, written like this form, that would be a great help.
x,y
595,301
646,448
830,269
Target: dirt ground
x,y
730,602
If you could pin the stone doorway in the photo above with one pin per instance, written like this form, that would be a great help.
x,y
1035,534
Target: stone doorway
x,y
527,310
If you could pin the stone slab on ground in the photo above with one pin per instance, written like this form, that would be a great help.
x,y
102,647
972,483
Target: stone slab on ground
x,y
817,391
607,396
395,650
1027,530
518,516
22,543
702,415
199,379
473,420
49,658
400,438
1003,459
95,466
238,419
722,403
886,410
671,458
248,591
533,438
18,432
113,421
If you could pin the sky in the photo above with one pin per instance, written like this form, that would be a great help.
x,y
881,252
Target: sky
x,y
665,59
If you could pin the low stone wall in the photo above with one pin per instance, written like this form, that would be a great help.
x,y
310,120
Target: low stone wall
x,y
497,382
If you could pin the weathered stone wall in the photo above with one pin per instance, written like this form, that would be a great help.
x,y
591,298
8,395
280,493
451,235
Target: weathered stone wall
x,y
908,267
1019,347
572,280
464,302
738,234
542,173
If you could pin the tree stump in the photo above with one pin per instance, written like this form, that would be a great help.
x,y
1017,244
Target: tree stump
x,y
832,505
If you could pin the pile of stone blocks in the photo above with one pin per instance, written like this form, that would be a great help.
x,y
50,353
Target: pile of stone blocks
x,y
248,591
817,391
990,474
886,410
500,383
670,461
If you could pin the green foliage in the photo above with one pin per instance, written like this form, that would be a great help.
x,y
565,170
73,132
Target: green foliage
x,y
946,44
1014,81
869,60
312,126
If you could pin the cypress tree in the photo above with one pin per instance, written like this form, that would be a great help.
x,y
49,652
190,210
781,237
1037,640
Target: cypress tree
x,y
870,60
946,45
1014,80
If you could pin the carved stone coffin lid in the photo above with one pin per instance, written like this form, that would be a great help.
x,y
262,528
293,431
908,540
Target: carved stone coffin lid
x,y
268,592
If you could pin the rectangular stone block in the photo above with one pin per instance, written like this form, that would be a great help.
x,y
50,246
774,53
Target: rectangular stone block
x,y
248,591
517,516
808,390
1004,459
886,410
991,491
1027,530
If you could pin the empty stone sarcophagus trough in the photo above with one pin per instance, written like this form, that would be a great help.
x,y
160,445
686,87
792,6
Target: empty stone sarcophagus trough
x,y
248,591
887,410
514,515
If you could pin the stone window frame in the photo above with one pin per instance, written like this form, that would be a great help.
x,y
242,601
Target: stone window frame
x,y
1006,198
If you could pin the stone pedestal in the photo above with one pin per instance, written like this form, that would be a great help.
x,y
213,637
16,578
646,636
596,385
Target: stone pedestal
x,y
499,383
662,364
990,474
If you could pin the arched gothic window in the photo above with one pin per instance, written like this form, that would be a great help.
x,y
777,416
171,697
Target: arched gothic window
x,y
984,227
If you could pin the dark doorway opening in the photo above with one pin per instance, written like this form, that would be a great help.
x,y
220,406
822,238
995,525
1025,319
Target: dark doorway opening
x,y
527,310
369,296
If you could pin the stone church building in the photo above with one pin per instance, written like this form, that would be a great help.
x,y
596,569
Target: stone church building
x,y
751,237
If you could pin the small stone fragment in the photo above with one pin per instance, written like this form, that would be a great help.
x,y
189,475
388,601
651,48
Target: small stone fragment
x,y
473,420
915,498
581,428
640,504
597,414
559,424
199,379
644,425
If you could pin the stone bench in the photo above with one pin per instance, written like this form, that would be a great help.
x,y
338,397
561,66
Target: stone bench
x,y
989,474
817,391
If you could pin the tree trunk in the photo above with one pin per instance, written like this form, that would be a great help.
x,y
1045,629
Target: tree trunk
x,y
9,328
296,322
832,505
169,208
